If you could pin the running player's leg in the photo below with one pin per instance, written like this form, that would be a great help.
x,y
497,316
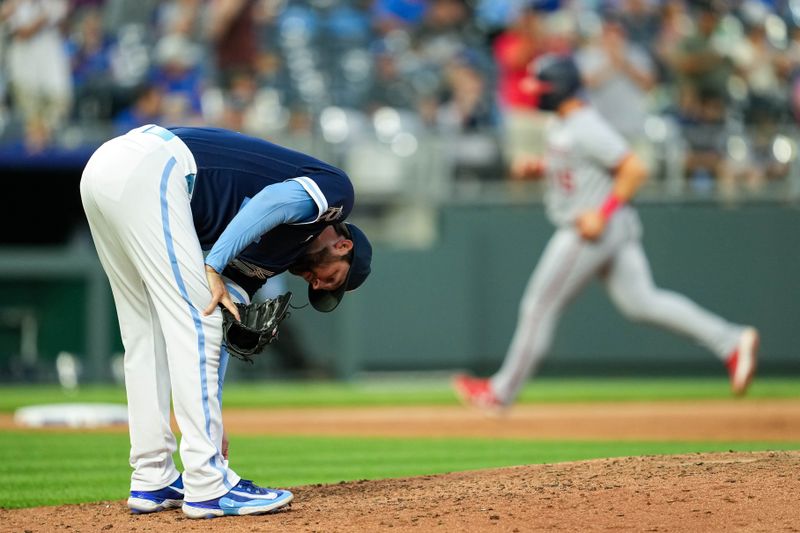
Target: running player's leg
x,y
567,264
146,374
630,285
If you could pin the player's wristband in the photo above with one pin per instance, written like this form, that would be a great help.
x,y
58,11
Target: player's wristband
x,y
611,204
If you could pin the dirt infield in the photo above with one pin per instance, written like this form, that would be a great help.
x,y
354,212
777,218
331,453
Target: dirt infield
x,y
722,420
699,492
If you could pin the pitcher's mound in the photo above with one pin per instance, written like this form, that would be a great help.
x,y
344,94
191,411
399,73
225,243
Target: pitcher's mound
x,y
698,492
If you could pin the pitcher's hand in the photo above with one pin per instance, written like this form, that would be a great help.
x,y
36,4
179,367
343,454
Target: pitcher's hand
x,y
225,444
219,294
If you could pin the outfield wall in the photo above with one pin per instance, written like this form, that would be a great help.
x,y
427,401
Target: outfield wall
x,y
454,304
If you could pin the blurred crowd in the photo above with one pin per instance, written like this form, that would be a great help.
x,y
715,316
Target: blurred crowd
x,y
707,92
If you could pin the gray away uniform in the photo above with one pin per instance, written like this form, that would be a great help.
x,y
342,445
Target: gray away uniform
x,y
582,150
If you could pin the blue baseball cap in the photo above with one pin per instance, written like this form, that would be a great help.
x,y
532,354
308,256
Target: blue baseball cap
x,y
326,301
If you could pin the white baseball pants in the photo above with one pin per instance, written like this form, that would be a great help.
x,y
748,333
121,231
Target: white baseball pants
x,y
567,264
136,192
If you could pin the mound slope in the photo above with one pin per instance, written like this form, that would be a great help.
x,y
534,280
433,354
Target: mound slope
x,y
699,492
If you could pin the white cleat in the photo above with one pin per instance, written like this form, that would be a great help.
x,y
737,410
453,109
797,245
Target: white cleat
x,y
743,361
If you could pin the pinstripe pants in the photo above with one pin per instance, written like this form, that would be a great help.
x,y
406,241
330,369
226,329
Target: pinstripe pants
x,y
569,263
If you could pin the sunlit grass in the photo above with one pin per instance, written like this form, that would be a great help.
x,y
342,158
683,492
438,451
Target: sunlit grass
x,y
82,467
421,391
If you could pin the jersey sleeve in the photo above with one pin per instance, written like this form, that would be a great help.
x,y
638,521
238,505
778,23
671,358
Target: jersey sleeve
x,y
601,143
281,203
332,193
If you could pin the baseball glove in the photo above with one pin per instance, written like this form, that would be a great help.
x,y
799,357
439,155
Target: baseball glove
x,y
257,328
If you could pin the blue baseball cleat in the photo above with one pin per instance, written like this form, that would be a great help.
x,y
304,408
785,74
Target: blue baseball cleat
x,y
243,499
152,501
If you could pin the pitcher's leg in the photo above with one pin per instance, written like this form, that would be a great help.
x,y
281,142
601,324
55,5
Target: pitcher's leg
x,y
630,285
147,382
171,261
146,375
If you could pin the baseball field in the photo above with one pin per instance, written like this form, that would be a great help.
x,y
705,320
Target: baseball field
x,y
403,455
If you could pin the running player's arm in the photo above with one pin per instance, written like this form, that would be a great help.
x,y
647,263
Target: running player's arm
x,y
629,175
526,166
608,150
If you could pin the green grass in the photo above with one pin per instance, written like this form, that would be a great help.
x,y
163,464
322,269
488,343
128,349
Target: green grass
x,y
80,467
83,467
422,392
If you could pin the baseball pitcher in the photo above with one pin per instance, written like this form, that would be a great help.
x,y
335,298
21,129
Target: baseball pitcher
x,y
186,220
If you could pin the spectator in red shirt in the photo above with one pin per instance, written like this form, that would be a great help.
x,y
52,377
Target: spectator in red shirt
x,y
514,50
